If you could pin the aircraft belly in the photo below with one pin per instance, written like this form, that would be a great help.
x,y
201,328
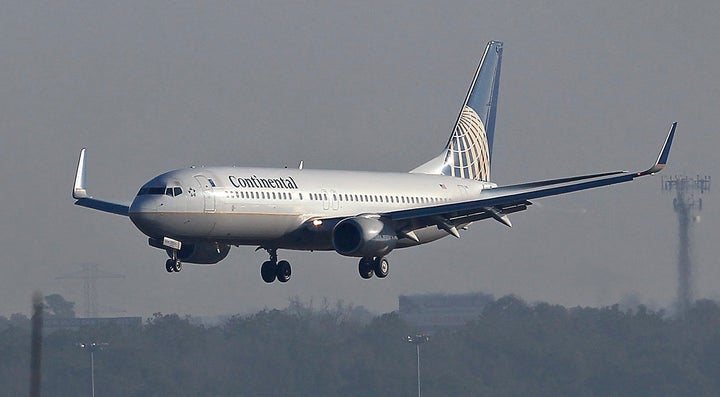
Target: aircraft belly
x,y
284,231
181,224
253,227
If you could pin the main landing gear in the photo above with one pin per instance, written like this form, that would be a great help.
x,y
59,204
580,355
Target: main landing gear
x,y
272,269
378,265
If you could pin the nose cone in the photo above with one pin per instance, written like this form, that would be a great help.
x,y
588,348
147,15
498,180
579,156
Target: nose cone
x,y
143,213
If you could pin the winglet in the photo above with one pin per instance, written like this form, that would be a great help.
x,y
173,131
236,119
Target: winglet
x,y
85,200
664,153
79,190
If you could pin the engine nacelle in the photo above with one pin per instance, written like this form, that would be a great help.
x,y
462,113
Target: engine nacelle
x,y
363,237
203,253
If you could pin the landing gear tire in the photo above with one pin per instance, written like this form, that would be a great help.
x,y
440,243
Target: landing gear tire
x,y
381,267
268,271
283,271
170,265
173,265
272,270
365,268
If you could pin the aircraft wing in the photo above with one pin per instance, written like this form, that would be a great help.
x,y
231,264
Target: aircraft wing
x,y
83,199
498,202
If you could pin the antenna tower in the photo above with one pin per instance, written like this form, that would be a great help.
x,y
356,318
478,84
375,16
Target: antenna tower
x,y
687,205
89,273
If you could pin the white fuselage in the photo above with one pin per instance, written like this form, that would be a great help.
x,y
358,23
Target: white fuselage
x,y
267,206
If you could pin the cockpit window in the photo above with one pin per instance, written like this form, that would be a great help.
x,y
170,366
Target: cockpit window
x,y
151,190
168,191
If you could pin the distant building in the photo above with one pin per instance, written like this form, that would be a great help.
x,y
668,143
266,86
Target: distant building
x,y
430,312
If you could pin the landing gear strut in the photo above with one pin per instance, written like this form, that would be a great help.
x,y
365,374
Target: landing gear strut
x,y
272,269
377,265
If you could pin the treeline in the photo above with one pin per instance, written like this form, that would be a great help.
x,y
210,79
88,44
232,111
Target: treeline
x,y
512,349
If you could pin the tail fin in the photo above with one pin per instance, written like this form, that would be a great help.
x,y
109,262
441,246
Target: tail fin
x,y
468,152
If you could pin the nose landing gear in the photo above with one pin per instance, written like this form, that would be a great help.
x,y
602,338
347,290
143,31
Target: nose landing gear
x,y
173,264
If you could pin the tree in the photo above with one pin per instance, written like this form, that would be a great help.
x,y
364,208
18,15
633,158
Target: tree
x,y
57,306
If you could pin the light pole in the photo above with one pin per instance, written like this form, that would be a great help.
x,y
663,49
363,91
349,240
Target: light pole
x,y
91,347
417,340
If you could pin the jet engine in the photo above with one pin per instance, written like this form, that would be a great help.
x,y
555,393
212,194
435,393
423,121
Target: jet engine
x,y
363,237
203,253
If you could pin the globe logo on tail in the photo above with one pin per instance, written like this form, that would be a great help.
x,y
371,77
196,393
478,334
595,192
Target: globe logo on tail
x,y
468,151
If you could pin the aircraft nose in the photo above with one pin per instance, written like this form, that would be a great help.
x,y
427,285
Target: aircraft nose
x,y
143,204
143,213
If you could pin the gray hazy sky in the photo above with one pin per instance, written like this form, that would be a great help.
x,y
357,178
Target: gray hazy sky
x,y
586,86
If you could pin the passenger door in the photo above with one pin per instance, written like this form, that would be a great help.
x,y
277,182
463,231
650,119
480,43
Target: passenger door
x,y
206,186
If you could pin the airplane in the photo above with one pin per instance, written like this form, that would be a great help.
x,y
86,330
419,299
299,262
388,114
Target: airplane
x,y
196,214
